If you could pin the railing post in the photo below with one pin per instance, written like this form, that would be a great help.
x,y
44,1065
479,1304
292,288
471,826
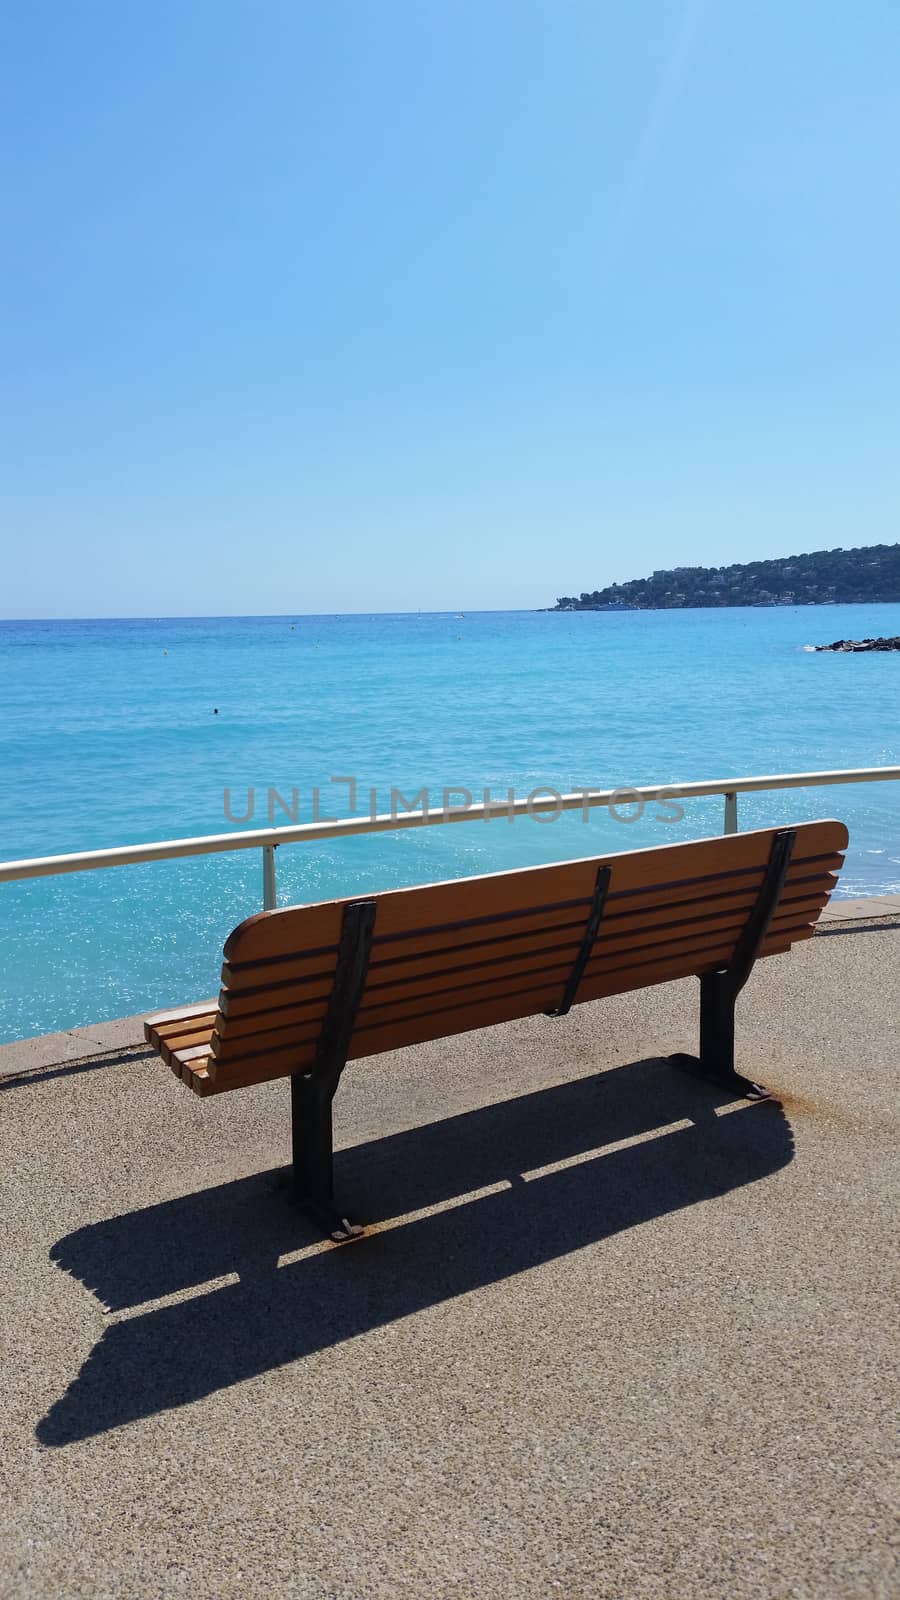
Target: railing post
x,y
731,818
270,894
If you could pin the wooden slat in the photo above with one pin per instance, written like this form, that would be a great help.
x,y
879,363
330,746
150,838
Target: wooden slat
x,y
392,1036
705,945
241,983
189,1022
608,955
263,1068
195,1055
228,1046
431,951
314,971
168,1047
451,957
297,1004
624,931
198,1038
603,985
301,968
198,1079
160,1020
166,1031
437,1021
300,1021
802,868
176,1032
280,933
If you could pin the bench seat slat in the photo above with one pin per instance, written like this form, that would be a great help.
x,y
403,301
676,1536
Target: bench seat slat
x,y
170,1032
198,1039
196,1077
192,1054
160,1020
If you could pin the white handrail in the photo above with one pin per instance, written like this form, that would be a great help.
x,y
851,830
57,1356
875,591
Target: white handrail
x,y
308,832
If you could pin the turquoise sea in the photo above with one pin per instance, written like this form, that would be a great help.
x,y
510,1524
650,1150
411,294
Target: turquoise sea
x,y
120,731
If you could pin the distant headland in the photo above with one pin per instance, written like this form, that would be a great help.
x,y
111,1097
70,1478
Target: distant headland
x,y
824,577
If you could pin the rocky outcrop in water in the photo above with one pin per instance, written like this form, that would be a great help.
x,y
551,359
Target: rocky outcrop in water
x,y
852,646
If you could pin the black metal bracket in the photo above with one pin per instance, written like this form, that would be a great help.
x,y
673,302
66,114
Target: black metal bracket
x,y
313,1091
719,990
598,904
747,948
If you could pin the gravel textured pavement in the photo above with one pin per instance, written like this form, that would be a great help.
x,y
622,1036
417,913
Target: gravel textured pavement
x,y
611,1334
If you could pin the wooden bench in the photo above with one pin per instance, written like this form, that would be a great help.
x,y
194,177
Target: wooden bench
x,y
306,989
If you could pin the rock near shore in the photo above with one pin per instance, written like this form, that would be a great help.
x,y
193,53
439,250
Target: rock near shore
x,y
852,646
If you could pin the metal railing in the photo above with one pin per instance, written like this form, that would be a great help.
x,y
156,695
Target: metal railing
x,y
270,839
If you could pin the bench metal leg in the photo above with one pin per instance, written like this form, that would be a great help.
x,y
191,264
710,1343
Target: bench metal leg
x,y
311,1140
312,1092
718,994
717,997
719,990
715,1062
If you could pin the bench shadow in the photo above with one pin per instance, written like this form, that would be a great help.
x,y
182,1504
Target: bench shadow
x,y
174,1354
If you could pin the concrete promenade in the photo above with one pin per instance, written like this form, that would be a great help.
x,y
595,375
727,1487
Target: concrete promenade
x,y
612,1335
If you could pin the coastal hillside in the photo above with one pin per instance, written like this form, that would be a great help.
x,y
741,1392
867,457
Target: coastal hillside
x,y
824,577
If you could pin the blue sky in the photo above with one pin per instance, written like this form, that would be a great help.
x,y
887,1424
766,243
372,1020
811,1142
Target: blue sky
x,y
352,306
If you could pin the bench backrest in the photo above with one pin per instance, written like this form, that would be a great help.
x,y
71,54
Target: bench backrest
x,y
449,957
